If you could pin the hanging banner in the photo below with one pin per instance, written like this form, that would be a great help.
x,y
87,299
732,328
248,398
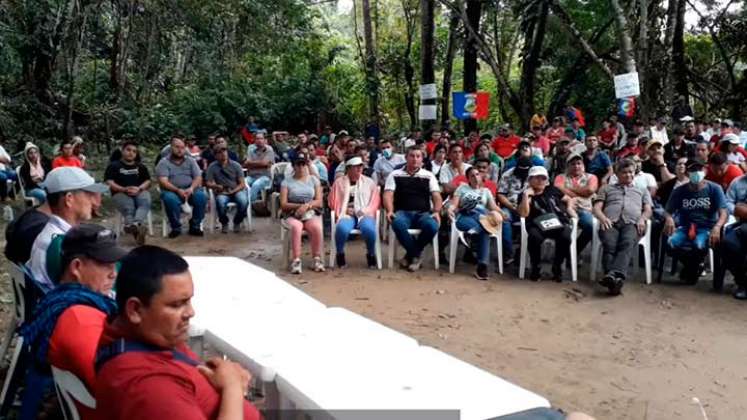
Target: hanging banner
x,y
428,91
427,112
470,105
627,85
626,108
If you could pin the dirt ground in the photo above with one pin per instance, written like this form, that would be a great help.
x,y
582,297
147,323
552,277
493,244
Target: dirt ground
x,y
643,355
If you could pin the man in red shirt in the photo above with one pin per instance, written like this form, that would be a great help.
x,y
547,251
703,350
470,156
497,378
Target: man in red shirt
x,y
607,136
506,143
144,369
66,157
65,329
720,171
431,144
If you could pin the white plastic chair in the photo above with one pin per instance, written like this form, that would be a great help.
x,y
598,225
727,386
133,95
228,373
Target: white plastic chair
x,y
30,200
644,242
457,236
18,282
333,244
276,169
525,254
393,246
230,208
70,390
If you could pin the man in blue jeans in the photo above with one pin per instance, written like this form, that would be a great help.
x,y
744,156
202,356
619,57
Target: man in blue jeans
x,y
259,160
180,179
700,210
412,199
226,178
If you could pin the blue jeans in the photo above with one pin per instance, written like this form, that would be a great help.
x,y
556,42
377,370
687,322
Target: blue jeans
x,y
172,203
679,239
5,175
367,226
404,220
256,185
221,205
471,221
586,225
38,194
508,218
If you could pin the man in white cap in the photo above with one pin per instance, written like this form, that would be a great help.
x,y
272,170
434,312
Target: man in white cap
x,y
72,195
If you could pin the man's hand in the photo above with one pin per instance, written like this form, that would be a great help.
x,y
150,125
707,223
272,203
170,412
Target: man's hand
x,y
188,192
715,236
350,212
183,194
641,226
669,226
605,223
658,159
450,211
390,217
225,374
436,216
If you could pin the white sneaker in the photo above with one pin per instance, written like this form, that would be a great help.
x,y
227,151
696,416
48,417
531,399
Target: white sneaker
x,y
318,265
296,266
414,265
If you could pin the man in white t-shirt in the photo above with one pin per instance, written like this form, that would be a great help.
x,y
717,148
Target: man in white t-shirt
x,y
72,194
659,131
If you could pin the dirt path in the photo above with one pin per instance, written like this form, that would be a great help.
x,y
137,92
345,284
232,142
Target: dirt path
x,y
643,355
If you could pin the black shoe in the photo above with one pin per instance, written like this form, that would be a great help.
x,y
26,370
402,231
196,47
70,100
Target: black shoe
x,y
741,293
535,274
196,232
482,272
340,260
174,233
557,274
689,275
608,281
617,285
372,263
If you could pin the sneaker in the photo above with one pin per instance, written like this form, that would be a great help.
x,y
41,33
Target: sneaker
x,y
617,285
404,263
130,229
741,293
482,272
175,233
414,265
196,232
318,265
224,229
140,235
340,260
186,209
608,281
372,263
296,266
557,274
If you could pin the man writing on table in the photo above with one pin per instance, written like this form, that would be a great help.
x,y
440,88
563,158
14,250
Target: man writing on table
x,y
144,368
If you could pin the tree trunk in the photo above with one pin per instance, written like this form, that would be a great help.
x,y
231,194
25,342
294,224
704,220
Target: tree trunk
x,y
448,65
533,38
679,67
626,43
470,58
643,108
409,69
372,81
427,51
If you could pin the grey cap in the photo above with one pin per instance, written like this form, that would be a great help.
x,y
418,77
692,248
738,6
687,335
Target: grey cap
x,y
69,178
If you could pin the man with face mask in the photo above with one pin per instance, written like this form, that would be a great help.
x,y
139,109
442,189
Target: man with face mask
x,y
700,209
387,162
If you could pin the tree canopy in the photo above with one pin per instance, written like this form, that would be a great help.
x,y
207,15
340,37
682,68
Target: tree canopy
x,y
147,68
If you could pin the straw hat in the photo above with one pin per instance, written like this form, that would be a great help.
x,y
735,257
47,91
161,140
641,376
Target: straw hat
x,y
490,223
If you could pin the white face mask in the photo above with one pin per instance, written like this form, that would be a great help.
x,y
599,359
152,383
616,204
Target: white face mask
x,y
696,177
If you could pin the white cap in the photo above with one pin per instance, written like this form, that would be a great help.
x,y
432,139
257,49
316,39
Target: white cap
x,y
354,161
538,171
409,143
70,178
687,118
731,138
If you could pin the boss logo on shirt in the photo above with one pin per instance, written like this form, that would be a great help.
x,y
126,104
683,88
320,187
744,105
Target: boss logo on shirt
x,y
696,203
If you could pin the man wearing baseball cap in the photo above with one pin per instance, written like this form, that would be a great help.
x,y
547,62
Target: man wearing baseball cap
x,y
66,327
700,209
72,195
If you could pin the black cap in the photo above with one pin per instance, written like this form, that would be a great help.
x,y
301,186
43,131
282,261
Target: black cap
x,y
524,163
524,143
694,164
300,157
93,241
